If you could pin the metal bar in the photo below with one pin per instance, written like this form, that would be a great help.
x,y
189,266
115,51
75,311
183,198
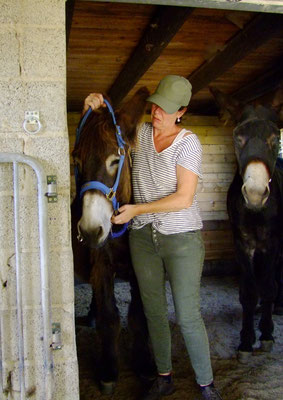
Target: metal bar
x,y
18,283
44,262
268,6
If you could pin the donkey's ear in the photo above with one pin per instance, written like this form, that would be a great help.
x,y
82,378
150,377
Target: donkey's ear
x,y
229,107
129,115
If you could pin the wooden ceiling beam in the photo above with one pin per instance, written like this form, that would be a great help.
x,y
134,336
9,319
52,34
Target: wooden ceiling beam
x,y
267,82
162,28
69,11
262,28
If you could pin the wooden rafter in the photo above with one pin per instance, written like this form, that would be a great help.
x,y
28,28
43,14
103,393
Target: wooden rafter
x,y
262,85
262,28
69,11
162,28
257,88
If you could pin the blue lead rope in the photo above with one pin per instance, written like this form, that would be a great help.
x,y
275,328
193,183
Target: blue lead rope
x,y
110,193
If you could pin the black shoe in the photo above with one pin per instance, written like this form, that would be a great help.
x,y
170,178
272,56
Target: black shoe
x,y
210,393
161,387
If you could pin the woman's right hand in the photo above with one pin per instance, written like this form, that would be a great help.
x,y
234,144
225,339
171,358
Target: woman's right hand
x,y
93,100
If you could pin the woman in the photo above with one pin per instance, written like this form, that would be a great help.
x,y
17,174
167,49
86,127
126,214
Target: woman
x,y
165,238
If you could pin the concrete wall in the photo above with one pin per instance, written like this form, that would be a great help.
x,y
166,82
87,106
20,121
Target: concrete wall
x,y
33,78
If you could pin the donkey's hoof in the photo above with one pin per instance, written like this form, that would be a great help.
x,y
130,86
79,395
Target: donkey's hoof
x,y
266,346
107,388
244,356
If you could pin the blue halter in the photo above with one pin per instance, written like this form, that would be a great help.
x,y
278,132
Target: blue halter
x,y
110,193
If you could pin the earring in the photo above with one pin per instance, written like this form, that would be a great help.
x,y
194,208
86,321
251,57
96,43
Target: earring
x,y
178,120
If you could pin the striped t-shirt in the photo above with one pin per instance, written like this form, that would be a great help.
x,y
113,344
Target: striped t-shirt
x,y
154,176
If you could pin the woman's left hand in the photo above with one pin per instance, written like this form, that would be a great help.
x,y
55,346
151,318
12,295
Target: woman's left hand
x,y
126,213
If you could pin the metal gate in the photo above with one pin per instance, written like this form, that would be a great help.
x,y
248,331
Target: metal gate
x,y
17,159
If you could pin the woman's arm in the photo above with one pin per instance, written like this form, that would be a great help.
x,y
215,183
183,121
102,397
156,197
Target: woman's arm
x,y
183,197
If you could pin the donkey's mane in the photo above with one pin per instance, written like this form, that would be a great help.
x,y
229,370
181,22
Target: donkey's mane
x,y
98,132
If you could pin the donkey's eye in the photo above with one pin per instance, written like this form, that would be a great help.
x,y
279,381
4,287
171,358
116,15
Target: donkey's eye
x,y
111,164
114,162
239,141
272,140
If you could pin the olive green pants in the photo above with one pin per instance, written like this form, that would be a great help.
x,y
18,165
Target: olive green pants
x,y
180,258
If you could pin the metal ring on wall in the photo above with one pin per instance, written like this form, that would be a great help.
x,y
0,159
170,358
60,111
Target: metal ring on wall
x,y
32,119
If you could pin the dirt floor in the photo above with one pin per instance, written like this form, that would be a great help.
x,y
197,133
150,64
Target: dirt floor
x,y
260,379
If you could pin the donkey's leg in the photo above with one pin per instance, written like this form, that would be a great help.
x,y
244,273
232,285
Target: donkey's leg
x,y
108,328
248,300
91,316
266,325
268,291
142,359
278,303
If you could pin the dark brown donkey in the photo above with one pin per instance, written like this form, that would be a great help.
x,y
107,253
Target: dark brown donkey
x,y
98,257
255,208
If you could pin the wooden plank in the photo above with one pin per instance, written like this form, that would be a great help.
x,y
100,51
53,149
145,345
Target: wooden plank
x,y
219,254
214,215
199,120
216,225
69,11
218,149
218,158
219,235
216,140
218,244
218,241
162,28
262,28
210,130
211,187
218,168
212,205
211,197
274,6
262,85
219,177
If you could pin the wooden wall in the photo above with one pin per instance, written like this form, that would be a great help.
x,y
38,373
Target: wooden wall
x,y
218,169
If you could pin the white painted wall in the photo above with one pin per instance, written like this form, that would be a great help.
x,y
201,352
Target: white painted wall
x,y
33,78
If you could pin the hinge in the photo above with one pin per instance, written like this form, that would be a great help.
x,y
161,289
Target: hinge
x,y
51,194
56,336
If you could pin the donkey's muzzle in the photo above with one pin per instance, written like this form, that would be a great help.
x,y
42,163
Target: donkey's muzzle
x,y
93,238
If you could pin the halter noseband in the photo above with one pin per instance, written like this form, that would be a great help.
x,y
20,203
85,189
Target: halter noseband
x,y
110,193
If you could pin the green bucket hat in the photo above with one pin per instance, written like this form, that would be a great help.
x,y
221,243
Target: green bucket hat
x,y
172,92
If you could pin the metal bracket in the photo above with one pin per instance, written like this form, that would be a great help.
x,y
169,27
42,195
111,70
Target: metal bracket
x,y
56,336
51,194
